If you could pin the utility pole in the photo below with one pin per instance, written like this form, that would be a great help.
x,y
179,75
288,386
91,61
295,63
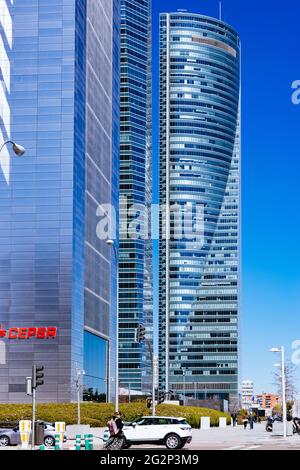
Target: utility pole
x,y
282,365
153,375
78,400
37,380
112,245
153,381
184,387
141,336
33,420
283,392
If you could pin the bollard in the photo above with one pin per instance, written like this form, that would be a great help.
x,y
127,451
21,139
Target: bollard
x,y
25,431
78,442
87,442
91,443
57,443
60,428
205,422
222,422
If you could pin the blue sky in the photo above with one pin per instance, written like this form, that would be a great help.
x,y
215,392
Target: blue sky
x,y
271,169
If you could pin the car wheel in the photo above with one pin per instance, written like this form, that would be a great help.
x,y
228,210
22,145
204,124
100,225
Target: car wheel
x,y
4,441
172,441
49,441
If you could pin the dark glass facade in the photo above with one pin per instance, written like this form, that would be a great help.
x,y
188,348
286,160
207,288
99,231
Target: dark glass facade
x,y
135,263
199,169
95,384
62,105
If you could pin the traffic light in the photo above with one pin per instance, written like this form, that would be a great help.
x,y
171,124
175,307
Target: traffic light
x,y
140,333
161,397
37,376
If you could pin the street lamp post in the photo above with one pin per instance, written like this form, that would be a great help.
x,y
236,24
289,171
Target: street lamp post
x,y
184,369
80,373
184,385
281,351
17,148
111,243
152,359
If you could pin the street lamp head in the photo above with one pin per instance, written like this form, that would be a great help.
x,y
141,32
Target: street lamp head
x,y
18,149
110,242
276,350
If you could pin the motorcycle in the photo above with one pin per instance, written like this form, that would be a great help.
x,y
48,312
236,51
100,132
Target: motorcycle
x,y
270,421
296,426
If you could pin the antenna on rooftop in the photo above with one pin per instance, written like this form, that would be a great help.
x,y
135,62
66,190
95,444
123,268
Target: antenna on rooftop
x,y
220,11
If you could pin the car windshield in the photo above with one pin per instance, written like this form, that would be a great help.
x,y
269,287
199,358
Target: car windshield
x,y
182,421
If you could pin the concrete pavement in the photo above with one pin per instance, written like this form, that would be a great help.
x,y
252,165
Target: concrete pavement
x,y
229,438
217,439
239,439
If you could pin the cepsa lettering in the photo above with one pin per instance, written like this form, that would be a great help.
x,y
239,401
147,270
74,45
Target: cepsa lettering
x,y
33,332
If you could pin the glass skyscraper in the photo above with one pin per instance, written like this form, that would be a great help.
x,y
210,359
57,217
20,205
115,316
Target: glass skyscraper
x,y
135,262
199,268
59,95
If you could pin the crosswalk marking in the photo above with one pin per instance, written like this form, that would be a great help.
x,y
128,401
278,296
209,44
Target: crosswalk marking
x,y
234,448
242,447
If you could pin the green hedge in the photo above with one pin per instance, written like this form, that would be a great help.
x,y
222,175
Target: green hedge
x,y
193,414
97,414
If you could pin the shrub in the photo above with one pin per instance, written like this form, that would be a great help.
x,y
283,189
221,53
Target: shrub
x,y
193,414
97,414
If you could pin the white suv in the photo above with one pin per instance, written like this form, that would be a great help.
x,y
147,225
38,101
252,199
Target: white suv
x,y
172,432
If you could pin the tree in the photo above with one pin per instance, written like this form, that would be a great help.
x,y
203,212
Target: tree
x,y
89,394
277,410
234,407
290,387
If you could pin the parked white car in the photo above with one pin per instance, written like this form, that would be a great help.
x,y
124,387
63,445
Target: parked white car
x,y
172,432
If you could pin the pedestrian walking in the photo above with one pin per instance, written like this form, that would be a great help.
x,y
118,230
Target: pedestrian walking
x,y
113,431
117,438
251,421
234,419
245,422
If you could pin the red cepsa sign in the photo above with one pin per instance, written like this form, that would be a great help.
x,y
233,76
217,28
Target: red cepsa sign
x,y
31,332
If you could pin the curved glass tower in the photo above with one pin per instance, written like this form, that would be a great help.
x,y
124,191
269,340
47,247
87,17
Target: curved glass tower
x,y
200,177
